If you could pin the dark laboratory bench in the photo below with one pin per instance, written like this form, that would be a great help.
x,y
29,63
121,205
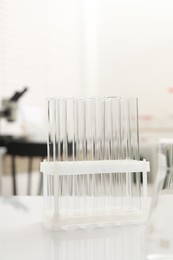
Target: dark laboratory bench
x,y
20,146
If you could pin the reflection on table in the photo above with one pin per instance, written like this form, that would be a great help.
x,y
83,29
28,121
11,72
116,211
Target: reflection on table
x,y
23,236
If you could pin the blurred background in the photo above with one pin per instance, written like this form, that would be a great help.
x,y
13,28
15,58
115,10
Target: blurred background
x,y
80,48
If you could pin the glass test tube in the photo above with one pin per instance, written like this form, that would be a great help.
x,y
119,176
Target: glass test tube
x,y
129,146
53,202
108,154
134,153
94,153
69,179
82,150
101,150
89,153
132,107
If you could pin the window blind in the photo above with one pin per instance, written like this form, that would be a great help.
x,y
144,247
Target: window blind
x,y
42,47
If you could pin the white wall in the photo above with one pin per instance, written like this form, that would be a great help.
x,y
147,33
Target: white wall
x,y
135,53
91,15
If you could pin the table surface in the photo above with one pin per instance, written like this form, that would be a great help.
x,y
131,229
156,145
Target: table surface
x,y
23,236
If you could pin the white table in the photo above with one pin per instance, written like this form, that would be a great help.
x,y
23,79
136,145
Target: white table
x,y
24,237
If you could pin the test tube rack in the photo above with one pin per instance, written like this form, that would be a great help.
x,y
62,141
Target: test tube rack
x,y
95,193
93,175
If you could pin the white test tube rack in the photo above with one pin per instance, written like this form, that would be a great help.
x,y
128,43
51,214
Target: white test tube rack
x,y
94,193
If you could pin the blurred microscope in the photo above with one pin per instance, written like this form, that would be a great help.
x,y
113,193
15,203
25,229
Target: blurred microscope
x,y
10,106
9,112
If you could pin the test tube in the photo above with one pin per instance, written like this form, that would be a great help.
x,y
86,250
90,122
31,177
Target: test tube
x,y
125,148
115,113
69,179
135,185
94,154
89,152
100,151
51,145
118,151
76,120
75,153
82,149
109,153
